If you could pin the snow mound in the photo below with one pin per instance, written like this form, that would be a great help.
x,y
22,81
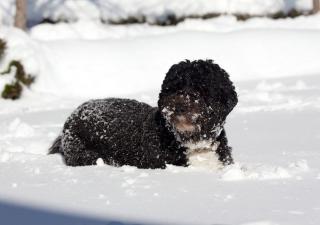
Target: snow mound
x,y
19,129
22,48
240,171
277,95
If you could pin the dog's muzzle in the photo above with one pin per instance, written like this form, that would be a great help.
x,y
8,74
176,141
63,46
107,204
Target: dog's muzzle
x,y
183,125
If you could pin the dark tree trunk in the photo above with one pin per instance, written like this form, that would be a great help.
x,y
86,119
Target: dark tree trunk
x,y
316,6
20,19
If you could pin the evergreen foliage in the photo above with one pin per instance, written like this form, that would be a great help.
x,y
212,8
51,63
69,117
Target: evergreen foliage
x,y
21,78
12,91
3,46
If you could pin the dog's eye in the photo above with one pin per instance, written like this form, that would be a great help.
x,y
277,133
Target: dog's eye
x,y
181,110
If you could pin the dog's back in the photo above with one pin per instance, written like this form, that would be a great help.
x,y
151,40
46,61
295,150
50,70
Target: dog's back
x,y
112,129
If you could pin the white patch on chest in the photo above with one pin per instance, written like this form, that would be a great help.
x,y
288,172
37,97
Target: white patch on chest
x,y
203,154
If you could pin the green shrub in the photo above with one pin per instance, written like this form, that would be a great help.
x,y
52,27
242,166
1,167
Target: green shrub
x,y
3,46
13,91
20,75
172,19
128,20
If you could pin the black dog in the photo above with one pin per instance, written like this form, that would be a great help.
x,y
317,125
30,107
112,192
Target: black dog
x,y
195,99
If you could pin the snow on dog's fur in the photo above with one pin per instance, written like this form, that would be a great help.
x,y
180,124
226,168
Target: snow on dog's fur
x,y
185,129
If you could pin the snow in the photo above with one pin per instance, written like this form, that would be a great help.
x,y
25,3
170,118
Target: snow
x,y
276,173
274,130
263,172
79,29
207,160
240,51
19,129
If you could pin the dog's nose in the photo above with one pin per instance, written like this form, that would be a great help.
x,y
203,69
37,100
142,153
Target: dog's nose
x,y
182,124
182,119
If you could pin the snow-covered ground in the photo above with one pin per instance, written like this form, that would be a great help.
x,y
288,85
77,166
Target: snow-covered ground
x,y
274,130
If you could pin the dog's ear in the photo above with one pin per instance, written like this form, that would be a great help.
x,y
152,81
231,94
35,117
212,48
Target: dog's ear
x,y
222,98
231,101
229,98
222,88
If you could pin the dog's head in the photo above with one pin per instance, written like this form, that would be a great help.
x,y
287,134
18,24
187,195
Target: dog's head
x,y
196,98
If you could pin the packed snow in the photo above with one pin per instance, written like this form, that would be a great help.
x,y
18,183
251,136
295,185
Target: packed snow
x,y
274,130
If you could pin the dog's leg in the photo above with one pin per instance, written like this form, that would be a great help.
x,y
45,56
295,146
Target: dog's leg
x,y
75,152
224,151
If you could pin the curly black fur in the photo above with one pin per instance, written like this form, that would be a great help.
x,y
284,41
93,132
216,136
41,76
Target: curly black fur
x,y
195,99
